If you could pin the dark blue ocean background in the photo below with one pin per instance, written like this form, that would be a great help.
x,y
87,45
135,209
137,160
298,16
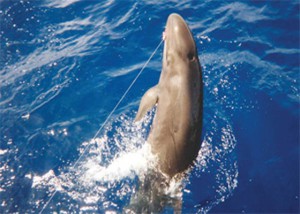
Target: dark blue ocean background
x,y
65,64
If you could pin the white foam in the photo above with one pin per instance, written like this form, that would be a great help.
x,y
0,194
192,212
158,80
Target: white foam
x,y
4,151
126,165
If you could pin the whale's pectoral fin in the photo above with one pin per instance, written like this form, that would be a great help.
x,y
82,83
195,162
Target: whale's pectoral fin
x,y
149,99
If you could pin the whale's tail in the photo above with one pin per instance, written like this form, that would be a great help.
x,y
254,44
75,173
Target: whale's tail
x,y
156,193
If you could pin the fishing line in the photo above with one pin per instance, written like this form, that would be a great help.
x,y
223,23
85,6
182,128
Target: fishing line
x,y
108,117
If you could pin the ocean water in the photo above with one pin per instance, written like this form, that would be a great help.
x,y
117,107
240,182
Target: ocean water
x,y
64,65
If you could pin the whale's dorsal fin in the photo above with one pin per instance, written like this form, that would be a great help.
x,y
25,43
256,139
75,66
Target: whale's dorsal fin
x,y
149,99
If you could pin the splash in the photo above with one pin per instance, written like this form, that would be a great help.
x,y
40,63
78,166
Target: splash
x,y
125,165
106,173
116,161
217,162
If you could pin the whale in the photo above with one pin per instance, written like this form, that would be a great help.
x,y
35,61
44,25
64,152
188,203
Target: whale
x,y
175,132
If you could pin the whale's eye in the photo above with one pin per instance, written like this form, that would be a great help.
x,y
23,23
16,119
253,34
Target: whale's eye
x,y
191,57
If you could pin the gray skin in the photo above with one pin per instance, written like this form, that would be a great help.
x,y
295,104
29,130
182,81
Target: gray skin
x,y
176,129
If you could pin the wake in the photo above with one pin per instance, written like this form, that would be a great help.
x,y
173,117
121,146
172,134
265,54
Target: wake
x,y
117,163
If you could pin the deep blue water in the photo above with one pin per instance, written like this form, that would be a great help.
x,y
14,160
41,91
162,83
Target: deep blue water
x,y
64,65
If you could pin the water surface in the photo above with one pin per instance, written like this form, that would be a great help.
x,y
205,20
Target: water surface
x,y
64,65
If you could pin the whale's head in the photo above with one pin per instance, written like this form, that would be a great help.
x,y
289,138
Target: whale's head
x,y
180,47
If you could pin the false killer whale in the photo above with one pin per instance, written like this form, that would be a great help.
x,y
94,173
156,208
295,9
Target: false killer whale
x,y
176,129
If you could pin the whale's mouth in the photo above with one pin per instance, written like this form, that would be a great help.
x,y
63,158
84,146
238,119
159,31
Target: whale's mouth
x,y
165,47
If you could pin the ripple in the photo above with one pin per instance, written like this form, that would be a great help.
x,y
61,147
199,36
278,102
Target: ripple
x,y
243,12
60,4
